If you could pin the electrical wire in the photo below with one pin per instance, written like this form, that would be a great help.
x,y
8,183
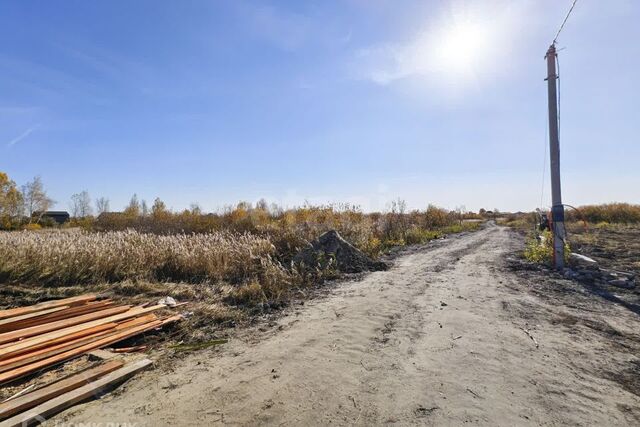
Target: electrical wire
x,y
555,39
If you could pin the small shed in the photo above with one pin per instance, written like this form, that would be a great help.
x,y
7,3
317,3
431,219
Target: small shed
x,y
60,217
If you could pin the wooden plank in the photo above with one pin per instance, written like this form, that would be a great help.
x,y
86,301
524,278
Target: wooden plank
x,y
17,319
29,400
27,369
64,314
71,337
56,341
45,305
52,350
49,351
22,345
56,318
136,321
70,398
172,319
60,324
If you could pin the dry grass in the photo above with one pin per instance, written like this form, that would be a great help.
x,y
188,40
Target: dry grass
x,y
289,230
245,246
222,263
228,266
617,213
63,257
608,233
614,246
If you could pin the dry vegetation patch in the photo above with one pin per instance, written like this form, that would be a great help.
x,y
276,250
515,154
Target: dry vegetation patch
x,y
63,257
614,246
230,267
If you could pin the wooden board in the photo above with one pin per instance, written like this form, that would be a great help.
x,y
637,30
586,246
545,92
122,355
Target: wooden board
x,y
136,321
36,397
28,369
63,339
8,322
64,314
68,399
172,319
60,324
20,346
49,351
45,305
74,336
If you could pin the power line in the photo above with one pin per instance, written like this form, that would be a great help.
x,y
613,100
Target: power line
x,y
565,21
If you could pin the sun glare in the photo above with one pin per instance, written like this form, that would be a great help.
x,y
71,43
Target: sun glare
x,y
460,47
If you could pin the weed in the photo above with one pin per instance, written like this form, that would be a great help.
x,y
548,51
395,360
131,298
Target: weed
x,y
539,248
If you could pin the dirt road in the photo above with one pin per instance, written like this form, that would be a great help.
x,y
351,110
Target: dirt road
x,y
445,337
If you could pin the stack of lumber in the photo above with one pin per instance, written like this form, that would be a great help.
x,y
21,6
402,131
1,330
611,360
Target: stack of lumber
x,y
40,404
49,333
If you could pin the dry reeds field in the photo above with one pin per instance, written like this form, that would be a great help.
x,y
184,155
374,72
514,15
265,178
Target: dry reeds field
x,y
619,213
242,257
69,257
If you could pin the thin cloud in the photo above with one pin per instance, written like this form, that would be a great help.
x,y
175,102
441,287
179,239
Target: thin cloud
x,y
22,136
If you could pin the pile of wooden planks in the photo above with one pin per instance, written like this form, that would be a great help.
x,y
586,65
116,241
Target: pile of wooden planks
x,y
40,404
46,334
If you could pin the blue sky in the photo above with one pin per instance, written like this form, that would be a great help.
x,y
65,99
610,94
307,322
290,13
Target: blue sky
x,y
358,101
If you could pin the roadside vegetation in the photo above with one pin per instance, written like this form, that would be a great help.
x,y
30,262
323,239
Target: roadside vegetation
x,y
539,248
227,264
611,213
607,232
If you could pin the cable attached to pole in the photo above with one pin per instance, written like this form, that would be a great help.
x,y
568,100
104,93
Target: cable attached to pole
x,y
555,39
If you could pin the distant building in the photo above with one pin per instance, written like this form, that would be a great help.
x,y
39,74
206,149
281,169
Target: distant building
x,y
60,217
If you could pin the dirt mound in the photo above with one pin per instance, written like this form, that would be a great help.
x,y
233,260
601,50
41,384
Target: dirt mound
x,y
331,249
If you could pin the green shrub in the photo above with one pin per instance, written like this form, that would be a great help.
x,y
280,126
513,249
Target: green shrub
x,y
540,249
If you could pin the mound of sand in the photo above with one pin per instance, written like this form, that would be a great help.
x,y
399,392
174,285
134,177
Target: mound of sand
x,y
332,248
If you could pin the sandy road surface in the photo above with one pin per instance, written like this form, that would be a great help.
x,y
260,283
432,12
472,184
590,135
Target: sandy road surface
x,y
436,340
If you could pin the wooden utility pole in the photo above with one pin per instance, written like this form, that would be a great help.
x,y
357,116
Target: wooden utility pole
x,y
557,209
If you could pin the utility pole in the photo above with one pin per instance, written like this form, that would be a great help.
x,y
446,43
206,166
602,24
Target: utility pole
x,y
557,209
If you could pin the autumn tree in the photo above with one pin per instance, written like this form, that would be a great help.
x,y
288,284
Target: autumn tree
x,y
262,205
195,209
36,200
11,202
460,210
133,208
81,205
158,209
102,205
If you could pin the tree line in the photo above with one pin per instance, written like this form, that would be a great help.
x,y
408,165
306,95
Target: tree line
x,y
22,205
27,204
24,208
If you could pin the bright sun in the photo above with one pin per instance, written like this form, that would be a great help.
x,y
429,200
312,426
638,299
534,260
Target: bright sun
x,y
460,47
